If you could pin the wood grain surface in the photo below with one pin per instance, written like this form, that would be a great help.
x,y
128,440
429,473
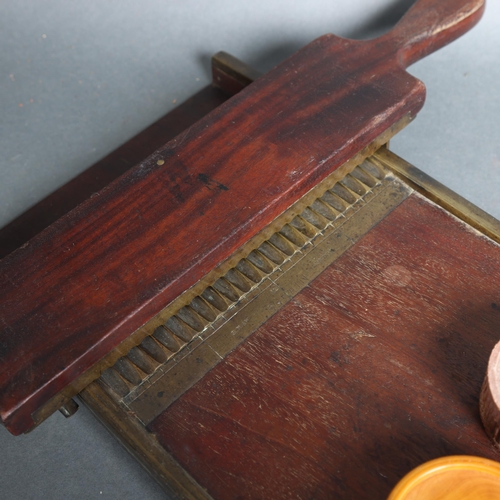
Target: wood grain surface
x,y
371,370
90,280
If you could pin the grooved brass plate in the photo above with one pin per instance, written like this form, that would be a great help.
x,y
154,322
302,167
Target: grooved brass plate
x,y
190,342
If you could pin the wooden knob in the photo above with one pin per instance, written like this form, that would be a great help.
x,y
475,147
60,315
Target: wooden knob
x,y
489,401
451,478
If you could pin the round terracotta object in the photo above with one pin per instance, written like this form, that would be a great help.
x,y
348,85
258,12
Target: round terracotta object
x,y
451,478
489,401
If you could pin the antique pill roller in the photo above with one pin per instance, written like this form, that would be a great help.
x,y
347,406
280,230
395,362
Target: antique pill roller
x,y
247,308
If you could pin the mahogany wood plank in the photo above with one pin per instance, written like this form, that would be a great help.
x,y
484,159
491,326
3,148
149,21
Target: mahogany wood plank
x,y
91,279
371,370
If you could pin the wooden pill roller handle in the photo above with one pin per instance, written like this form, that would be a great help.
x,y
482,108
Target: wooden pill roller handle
x,y
429,25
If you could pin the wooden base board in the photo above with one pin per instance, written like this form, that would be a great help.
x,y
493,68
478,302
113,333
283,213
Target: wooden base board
x,y
372,369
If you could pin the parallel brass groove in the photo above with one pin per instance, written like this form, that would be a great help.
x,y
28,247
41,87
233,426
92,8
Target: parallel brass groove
x,y
218,300
241,320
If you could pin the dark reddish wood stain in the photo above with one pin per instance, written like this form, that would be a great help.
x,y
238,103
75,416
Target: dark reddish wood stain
x,y
373,369
97,274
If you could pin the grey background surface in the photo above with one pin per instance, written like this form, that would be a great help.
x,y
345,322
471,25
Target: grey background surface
x,y
80,78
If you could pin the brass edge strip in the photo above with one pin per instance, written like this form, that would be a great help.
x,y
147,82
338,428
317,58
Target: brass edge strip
x,y
142,445
439,194
180,375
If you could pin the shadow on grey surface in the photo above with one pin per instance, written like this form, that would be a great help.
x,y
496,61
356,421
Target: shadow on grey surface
x,y
266,60
57,450
383,21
